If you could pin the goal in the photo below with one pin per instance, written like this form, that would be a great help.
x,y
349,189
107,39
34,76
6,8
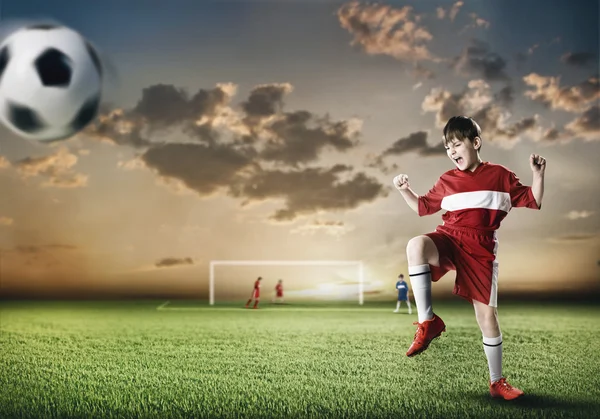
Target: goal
x,y
357,264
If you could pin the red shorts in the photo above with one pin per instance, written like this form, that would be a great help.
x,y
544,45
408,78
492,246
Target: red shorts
x,y
256,294
280,295
472,254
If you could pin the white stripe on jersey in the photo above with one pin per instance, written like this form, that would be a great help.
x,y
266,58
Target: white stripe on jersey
x,y
477,199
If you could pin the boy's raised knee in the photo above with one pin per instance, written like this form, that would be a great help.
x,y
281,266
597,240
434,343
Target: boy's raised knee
x,y
416,248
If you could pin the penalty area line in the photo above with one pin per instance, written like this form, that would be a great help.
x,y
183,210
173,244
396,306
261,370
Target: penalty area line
x,y
280,310
163,305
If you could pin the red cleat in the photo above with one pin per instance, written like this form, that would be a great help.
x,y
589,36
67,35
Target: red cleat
x,y
502,389
426,332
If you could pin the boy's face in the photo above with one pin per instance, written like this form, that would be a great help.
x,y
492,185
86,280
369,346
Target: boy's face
x,y
463,153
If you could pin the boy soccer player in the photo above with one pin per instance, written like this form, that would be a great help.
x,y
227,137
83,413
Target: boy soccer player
x,y
278,292
477,196
255,293
402,288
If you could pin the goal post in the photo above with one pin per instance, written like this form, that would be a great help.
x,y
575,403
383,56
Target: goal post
x,y
331,263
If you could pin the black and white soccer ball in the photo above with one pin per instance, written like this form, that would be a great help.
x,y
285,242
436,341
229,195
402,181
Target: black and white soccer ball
x,y
50,82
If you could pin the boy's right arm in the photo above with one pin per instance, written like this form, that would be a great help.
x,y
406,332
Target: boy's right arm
x,y
411,198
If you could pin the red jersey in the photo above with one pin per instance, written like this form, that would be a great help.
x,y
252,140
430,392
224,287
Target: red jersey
x,y
257,285
479,199
279,290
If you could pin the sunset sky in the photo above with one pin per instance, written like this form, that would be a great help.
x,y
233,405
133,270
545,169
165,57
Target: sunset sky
x,y
271,130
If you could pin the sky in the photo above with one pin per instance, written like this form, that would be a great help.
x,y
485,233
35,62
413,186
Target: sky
x,y
272,130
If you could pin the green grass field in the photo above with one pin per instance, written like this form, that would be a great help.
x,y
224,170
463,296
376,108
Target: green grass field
x,y
128,359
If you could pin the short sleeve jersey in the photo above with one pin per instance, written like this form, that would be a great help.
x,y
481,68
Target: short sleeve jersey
x,y
480,199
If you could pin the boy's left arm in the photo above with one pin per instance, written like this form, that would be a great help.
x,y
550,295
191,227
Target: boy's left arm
x,y
538,167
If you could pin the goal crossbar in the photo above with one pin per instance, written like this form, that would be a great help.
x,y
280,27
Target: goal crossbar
x,y
215,263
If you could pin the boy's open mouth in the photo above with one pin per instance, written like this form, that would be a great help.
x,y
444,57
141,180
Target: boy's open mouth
x,y
458,160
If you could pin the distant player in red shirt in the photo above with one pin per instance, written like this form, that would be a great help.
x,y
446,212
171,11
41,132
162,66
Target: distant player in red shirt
x,y
477,196
278,293
255,293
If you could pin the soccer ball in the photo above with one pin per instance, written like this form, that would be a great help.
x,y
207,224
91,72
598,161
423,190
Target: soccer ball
x,y
50,82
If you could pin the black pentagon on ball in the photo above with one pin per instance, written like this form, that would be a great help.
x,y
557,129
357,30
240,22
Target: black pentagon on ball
x,y
24,118
43,27
54,68
95,58
86,114
4,58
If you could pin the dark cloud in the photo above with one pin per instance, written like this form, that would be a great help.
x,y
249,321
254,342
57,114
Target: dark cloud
x,y
299,137
201,168
587,124
164,105
477,59
420,72
505,96
264,101
169,262
237,144
415,142
575,238
34,249
310,190
579,59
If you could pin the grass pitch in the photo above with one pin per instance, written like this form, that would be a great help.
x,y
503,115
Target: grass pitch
x,y
128,359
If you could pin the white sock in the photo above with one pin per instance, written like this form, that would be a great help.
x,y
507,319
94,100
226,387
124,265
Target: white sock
x,y
420,280
409,307
493,351
398,305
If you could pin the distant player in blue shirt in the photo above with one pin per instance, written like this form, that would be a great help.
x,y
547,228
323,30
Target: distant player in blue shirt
x,y
402,288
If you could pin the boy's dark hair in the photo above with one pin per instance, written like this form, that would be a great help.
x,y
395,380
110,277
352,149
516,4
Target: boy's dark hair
x,y
461,128
401,276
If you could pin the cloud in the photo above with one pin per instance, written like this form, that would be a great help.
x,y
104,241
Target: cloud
x,y
585,126
170,262
575,238
310,190
576,215
450,13
241,146
576,98
422,73
478,21
299,137
6,221
202,168
476,59
30,249
57,168
330,228
164,107
384,30
490,110
579,59
415,142
264,102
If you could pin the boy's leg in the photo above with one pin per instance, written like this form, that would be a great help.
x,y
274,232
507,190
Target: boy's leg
x,y
397,306
248,302
255,303
409,307
422,252
487,318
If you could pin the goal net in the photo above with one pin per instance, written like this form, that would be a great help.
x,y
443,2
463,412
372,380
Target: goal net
x,y
303,280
